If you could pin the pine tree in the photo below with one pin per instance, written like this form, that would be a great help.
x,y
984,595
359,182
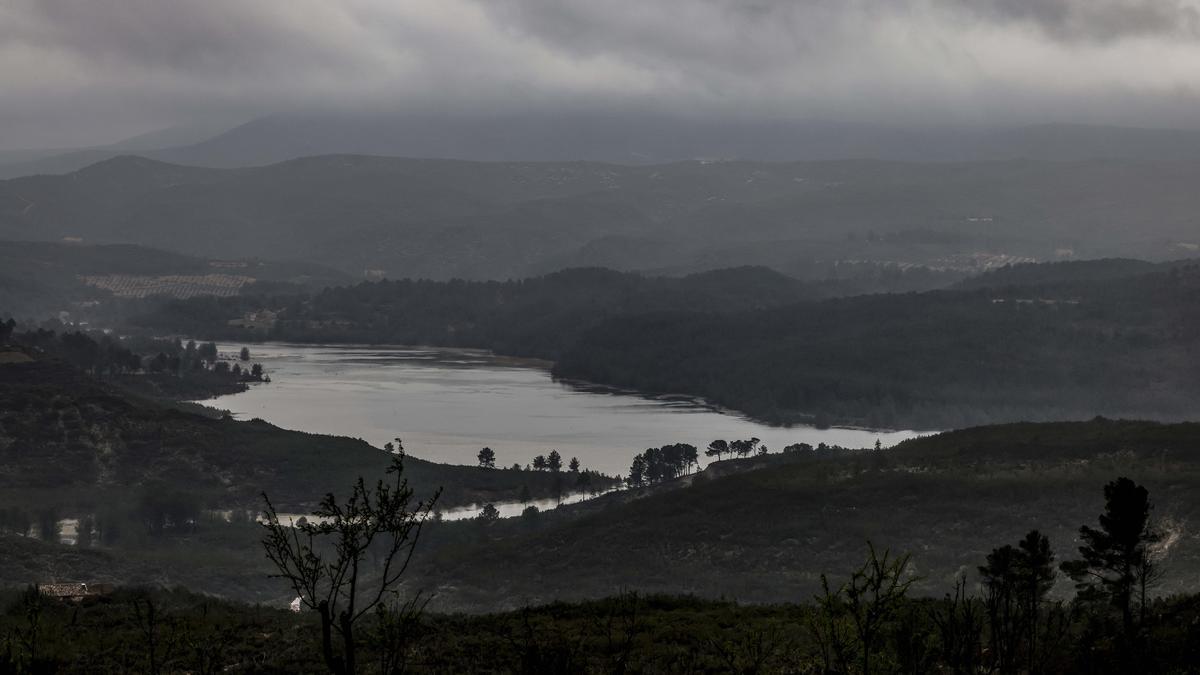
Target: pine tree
x,y
1117,562
487,458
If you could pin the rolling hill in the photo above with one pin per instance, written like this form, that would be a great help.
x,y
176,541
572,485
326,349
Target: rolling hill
x,y
443,219
622,139
1121,346
762,530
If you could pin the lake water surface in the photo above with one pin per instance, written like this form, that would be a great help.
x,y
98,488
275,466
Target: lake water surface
x,y
447,404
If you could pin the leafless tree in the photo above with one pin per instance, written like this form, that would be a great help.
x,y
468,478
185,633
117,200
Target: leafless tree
x,y
397,622
325,559
860,611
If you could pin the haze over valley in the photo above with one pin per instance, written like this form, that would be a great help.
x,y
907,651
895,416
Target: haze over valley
x,y
373,217
517,337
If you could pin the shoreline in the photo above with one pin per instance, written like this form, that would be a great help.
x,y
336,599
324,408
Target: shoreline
x,y
595,387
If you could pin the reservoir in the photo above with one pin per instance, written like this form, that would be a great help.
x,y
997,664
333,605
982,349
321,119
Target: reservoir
x,y
447,404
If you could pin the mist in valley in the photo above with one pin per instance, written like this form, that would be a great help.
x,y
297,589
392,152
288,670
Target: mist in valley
x,y
695,336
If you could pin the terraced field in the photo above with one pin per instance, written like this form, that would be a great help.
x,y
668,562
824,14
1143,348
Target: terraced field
x,y
176,286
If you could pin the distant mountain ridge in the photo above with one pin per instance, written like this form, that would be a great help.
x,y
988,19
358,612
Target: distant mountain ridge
x,y
440,219
618,139
15,163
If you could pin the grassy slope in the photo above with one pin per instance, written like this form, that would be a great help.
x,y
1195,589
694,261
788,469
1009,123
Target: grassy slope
x,y
766,534
759,530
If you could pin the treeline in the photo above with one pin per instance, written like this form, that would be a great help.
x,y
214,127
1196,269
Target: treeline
x,y
154,511
1120,348
1013,625
158,367
538,317
103,354
656,465
580,479
673,460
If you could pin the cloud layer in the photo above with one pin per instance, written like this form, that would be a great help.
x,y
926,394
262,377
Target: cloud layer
x,y
88,71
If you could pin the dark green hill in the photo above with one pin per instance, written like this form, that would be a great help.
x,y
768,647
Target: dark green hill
x,y
539,317
763,529
1123,347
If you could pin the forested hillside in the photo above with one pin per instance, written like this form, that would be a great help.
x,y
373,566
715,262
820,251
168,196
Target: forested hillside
x,y
539,317
1116,347
765,528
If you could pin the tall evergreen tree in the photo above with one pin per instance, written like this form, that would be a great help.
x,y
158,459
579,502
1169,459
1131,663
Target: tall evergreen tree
x,y
1036,577
637,472
487,458
717,448
1016,581
1000,588
1116,561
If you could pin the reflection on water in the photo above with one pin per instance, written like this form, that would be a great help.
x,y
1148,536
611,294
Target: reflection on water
x,y
513,509
504,509
447,404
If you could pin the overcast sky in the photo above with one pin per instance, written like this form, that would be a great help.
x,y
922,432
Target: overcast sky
x,y
76,72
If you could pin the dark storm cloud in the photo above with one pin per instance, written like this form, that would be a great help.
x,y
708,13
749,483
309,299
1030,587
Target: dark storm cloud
x,y
1094,20
74,71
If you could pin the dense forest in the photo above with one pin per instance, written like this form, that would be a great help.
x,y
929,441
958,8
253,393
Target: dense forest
x,y
1122,347
539,317
164,369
